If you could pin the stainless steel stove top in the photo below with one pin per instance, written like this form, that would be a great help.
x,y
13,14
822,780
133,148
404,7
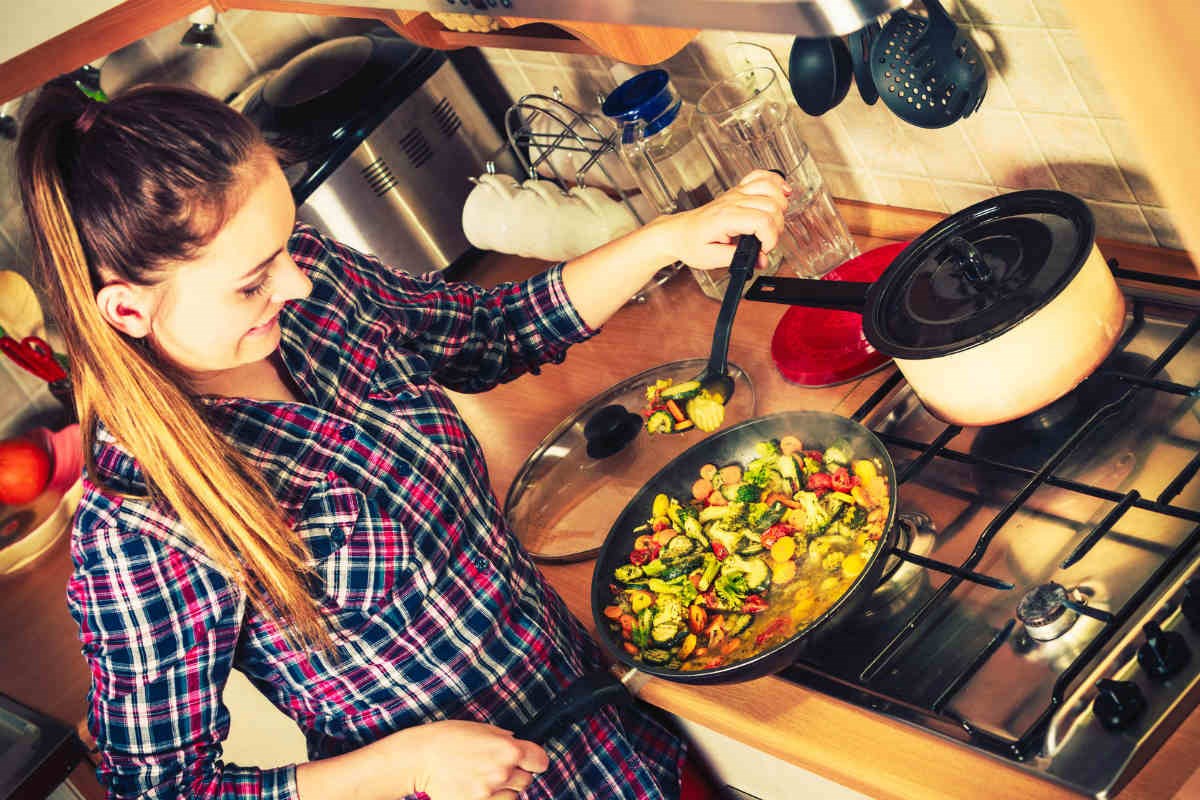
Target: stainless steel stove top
x,y
1034,555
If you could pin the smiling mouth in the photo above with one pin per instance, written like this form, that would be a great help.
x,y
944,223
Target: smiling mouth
x,y
266,326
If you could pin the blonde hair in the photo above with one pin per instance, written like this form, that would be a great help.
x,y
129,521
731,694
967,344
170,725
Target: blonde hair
x,y
148,179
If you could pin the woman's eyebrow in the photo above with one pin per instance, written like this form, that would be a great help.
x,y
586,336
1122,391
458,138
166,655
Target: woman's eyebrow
x,y
266,262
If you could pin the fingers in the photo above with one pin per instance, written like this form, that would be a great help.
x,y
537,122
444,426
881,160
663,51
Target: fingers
x,y
766,226
761,180
532,758
766,205
518,780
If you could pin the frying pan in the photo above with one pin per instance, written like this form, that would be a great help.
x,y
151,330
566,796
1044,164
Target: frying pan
x,y
733,445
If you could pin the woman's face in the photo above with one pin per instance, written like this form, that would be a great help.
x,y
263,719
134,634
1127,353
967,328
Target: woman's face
x,y
220,310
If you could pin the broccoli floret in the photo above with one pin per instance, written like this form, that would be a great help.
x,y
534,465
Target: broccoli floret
x,y
869,547
736,517
755,513
812,466
838,454
767,447
759,471
731,588
832,561
763,516
824,545
816,516
855,517
686,512
747,493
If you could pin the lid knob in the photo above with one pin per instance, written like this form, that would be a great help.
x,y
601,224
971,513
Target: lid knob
x,y
610,429
969,260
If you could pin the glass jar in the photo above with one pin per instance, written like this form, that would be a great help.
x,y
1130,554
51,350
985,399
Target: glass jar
x,y
657,143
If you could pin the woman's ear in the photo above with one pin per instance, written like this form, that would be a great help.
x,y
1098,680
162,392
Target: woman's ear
x,y
126,307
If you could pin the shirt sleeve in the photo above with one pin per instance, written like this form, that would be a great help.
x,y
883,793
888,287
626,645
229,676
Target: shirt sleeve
x,y
159,631
473,338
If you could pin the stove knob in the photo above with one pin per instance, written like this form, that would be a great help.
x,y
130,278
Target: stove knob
x,y
1191,602
1164,652
1118,703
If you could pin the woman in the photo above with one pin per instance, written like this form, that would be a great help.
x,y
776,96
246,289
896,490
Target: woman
x,y
277,482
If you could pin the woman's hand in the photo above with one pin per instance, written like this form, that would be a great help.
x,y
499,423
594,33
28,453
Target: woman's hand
x,y
600,282
706,237
450,760
456,760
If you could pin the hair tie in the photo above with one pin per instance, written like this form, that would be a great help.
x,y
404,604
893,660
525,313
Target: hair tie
x,y
84,123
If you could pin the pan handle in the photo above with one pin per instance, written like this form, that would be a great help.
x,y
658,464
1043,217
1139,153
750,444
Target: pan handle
x,y
583,696
810,292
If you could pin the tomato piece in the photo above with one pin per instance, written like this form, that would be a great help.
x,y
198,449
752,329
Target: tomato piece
x,y
661,524
753,604
820,481
697,619
775,533
627,621
640,557
841,480
774,629
720,551
653,548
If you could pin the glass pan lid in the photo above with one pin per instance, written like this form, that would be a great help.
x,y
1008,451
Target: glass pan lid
x,y
563,501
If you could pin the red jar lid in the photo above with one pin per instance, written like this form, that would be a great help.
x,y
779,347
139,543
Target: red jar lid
x,y
815,347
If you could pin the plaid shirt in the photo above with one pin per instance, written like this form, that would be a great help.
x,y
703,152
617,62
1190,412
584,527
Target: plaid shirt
x,y
437,612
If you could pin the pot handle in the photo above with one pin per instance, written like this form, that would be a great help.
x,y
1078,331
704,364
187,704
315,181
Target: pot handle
x,y
583,696
810,292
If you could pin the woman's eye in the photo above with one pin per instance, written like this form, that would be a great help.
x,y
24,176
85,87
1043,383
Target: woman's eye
x,y
256,289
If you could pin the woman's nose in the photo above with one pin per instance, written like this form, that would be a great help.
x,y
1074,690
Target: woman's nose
x,y
293,284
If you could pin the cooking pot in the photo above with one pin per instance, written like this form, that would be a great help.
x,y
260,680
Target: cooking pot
x,y
993,313
732,445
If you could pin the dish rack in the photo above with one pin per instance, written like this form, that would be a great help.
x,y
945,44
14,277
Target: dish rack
x,y
537,126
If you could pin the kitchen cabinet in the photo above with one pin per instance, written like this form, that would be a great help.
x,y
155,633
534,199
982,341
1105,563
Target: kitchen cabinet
x,y
36,47
635,44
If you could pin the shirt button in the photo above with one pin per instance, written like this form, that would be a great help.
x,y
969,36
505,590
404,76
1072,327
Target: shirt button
x,y
346,433
481,563
338,536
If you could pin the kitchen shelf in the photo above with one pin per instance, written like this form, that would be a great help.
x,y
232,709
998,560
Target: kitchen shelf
x,y
635,44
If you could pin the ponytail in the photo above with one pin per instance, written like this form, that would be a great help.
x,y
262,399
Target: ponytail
x,y
150,179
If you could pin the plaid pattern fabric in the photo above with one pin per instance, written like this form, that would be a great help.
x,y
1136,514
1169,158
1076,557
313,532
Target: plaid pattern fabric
x,y
438,613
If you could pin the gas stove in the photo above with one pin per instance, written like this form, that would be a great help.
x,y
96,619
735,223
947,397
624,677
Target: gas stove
x,y
1042,602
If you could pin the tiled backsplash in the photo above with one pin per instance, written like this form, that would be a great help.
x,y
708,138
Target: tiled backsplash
x,y
1046,122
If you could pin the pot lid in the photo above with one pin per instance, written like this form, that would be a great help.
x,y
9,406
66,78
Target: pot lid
x,y
978,273
577,481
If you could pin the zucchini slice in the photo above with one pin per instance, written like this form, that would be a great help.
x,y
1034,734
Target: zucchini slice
x,y
681,391
628,573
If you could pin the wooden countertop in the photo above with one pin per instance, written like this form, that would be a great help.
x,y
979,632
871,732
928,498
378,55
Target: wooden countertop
x,y
40,663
